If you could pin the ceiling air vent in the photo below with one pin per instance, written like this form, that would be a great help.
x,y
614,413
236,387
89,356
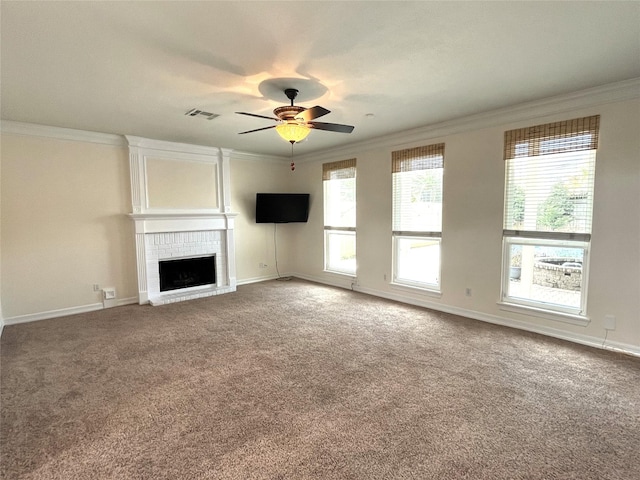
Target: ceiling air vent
x,y
194,112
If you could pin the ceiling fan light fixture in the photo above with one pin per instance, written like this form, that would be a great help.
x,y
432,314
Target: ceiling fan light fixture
x,y
292,132
295,123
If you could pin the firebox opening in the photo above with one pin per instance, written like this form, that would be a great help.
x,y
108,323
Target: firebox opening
x,y
187,272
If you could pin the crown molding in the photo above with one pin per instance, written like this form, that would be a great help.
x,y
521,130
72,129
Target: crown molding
x,y
591,97
60,133
166,146
258,157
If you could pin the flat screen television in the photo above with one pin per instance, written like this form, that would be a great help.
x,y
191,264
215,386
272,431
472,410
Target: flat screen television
x,y
282,207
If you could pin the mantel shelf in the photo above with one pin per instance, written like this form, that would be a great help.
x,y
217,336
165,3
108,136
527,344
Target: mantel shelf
x,y
181,215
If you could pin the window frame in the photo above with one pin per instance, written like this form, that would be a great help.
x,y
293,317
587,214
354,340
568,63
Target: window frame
x,y
426,236
334,171
534,139
506,299
425,155
328,233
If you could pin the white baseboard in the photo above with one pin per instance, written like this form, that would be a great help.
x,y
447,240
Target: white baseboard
x,y
246,281
620,347
334,280
484,317
34,317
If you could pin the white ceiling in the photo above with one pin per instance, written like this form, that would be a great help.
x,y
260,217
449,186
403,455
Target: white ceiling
x,y
136,67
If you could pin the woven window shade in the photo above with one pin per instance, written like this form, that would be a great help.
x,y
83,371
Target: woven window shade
x,y
558,137
418,158
339,170
417,190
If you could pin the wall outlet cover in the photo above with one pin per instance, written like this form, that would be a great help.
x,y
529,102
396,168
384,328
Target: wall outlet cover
x,y
109,293
609,322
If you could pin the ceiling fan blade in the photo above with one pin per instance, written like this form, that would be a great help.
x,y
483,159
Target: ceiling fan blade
x,y
257,130
259,116
311,113
331,127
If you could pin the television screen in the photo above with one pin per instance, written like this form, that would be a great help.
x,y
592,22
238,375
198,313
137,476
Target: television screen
x,y
282,207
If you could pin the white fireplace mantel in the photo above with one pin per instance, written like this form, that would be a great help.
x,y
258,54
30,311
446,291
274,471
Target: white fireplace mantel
x,y
181,222
168,232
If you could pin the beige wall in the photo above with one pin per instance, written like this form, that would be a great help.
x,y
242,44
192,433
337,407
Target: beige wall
x,y
255,242
1,311
472,225
63,224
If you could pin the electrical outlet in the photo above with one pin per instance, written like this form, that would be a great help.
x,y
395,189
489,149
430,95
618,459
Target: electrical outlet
x,y
96,287
467,292
609,322
263,265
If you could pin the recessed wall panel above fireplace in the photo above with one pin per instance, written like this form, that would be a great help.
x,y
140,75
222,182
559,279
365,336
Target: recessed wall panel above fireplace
x,y
169,177
178,184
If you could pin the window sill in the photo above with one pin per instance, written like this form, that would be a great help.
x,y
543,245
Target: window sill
x,y
414,289
571,318
341,274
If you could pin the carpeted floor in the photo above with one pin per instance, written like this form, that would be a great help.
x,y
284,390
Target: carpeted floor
x,y
294,380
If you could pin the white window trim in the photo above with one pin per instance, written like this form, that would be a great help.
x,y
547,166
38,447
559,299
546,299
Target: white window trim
x,y
414,289
339,168
580,320
577,316
435,288
327,231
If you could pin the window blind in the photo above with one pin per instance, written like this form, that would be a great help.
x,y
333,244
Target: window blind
x,y
339,179
417,190
418,158
558,137
339,170
550,173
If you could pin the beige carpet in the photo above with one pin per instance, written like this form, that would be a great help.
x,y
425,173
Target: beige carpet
x,y
293,380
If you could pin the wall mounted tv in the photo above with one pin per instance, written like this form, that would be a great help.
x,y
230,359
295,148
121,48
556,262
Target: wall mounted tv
x,y
282,207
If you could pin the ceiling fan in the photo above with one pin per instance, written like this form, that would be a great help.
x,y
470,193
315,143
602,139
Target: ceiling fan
x,y
295,123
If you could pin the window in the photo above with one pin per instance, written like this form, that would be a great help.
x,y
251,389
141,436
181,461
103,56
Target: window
x,y
339,181
550,172
417,215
